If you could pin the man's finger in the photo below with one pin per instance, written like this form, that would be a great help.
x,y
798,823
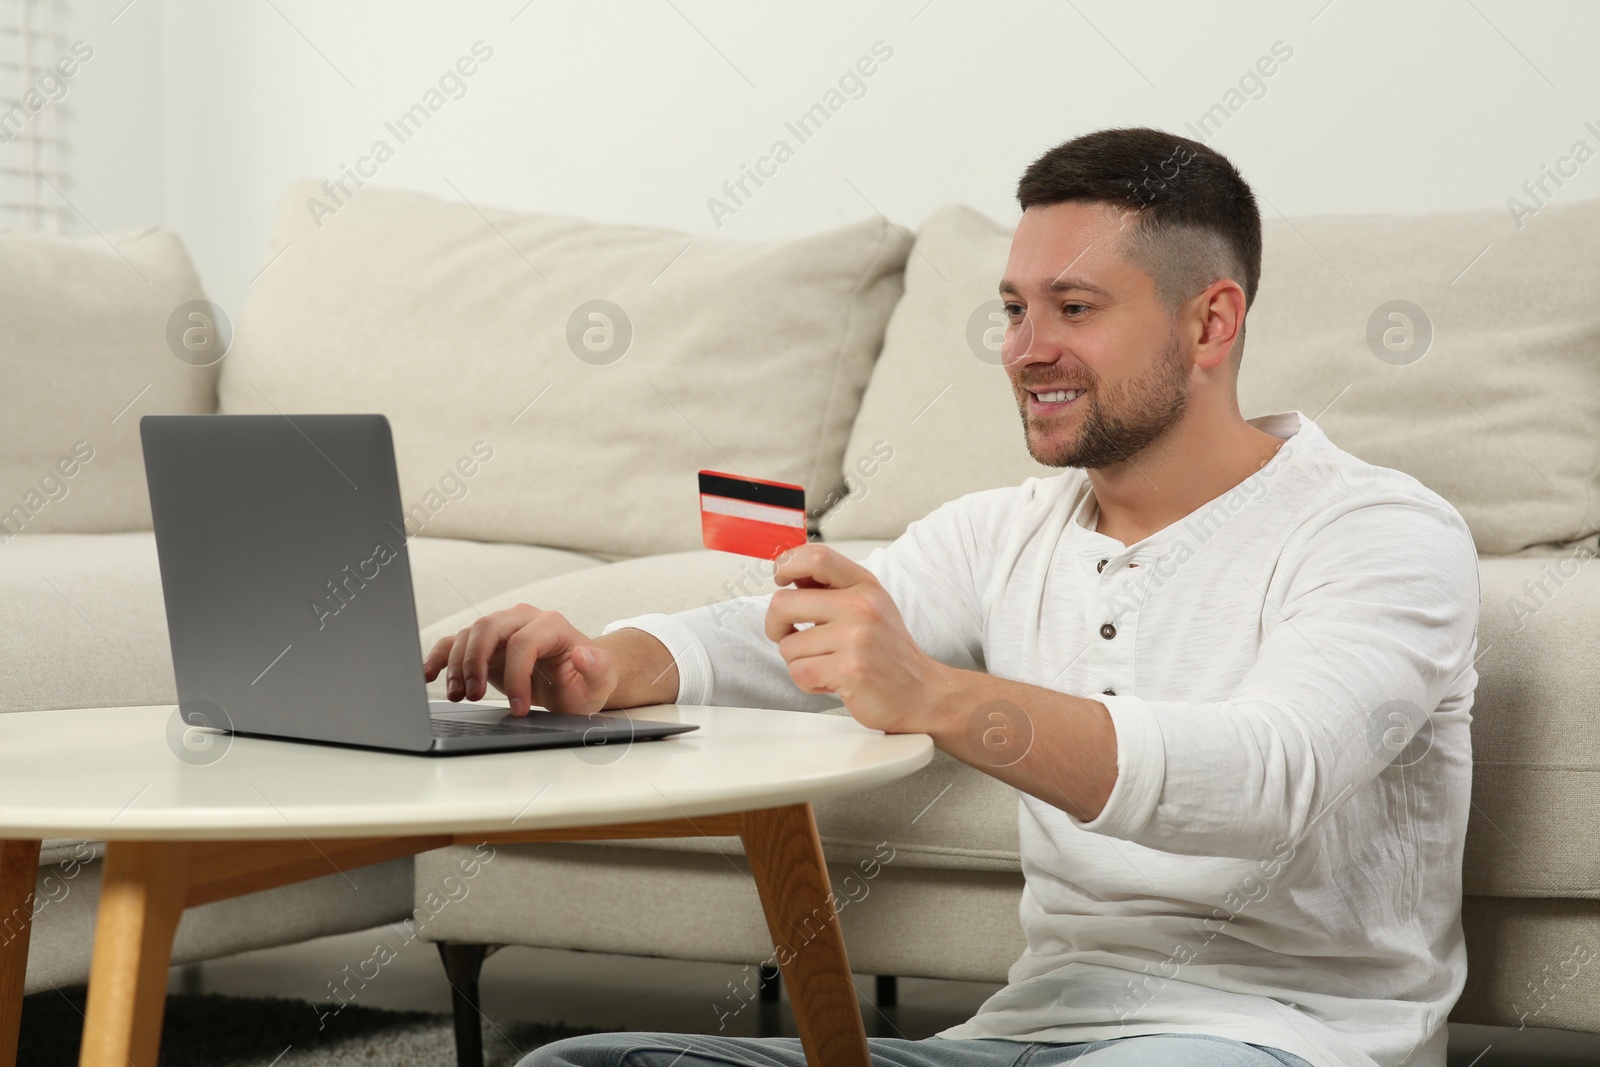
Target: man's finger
x,y
522,651
805,644
821,564
483,640
545,637
455,679
790,606
437,659
812,674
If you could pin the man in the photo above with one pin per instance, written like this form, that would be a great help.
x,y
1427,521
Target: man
x,y
1227,666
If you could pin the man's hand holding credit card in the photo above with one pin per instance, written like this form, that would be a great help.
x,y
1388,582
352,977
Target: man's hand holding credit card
x,y
837,627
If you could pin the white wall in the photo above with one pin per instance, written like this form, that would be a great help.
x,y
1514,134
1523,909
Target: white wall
x,y
195,113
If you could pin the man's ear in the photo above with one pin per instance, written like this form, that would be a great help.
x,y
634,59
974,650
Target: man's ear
x,y
1219,317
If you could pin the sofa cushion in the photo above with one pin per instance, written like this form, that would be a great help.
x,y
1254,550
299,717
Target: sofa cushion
x,y
897,919
1535,749
1499,414
67,849
938,420
1531,965
86,354
603,365
445,572
67,897
85,625
946,816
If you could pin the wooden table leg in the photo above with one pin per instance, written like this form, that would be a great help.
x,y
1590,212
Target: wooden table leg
x,y
786,858
19,873
143,887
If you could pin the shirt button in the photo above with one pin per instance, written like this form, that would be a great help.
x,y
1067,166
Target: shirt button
x,y
1108,631
1101,566
1108,692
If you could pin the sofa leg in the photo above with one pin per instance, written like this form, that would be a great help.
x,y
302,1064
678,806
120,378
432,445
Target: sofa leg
x,y
769,1003
189,980
770,984
888,991
462,965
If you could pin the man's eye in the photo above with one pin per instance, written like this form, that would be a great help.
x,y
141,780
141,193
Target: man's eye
x,y
1013,310
1068,308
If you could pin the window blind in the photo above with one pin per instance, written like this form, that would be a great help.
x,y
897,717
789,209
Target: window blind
x,y
34,114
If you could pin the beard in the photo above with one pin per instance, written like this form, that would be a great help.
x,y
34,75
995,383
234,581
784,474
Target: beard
x,y
1118,422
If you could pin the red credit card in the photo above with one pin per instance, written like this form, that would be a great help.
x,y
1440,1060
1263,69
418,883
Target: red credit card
x,y
751,516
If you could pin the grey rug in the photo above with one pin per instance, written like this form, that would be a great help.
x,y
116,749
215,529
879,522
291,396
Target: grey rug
x,y
208,1030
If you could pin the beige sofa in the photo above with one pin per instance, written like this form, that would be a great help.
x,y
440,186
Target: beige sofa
x,y
604,365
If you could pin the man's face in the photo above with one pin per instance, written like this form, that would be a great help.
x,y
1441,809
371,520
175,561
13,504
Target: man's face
x,y
1090,349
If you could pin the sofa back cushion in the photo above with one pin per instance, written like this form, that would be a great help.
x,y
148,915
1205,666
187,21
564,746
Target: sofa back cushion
x,y
1498,410
559,382
938,419
1500,413
94,328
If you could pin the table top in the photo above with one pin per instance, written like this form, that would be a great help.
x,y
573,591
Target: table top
x,y
141,774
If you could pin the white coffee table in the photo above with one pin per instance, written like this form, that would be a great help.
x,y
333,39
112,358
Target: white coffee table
x,y
185,828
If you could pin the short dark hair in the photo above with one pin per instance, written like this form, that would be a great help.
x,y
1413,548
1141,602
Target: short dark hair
x,y
1197,218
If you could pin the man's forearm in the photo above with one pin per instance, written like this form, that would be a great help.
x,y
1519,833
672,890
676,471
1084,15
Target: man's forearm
x,y
1059,748
646,672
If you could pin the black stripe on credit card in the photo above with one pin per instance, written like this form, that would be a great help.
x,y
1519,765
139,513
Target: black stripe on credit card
x,y
778,496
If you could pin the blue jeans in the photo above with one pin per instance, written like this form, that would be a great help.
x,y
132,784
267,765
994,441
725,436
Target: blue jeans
x,y
699,1050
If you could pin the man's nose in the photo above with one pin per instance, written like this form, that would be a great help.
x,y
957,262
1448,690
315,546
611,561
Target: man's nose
x,y
1026,345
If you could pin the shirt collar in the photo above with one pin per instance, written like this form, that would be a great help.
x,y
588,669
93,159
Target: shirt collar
x,y
1286,425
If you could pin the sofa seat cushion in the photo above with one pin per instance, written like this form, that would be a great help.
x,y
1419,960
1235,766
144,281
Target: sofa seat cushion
x,y
897,919
85,625
1531,965
1494,406
67,849
478,570
1535,748
946,816
67,898
602,364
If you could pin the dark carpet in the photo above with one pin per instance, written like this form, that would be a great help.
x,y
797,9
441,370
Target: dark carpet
x,y
208,1030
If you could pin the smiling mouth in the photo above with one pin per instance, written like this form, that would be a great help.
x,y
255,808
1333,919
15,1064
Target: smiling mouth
x,y
1049,401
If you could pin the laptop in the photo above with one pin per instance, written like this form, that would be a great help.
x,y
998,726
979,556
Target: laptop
x,y
288,592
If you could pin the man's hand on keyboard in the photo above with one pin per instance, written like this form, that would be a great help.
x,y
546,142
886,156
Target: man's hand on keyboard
x,y
534,657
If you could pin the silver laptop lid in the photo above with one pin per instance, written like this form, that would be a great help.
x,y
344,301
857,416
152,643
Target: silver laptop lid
x,y
288,588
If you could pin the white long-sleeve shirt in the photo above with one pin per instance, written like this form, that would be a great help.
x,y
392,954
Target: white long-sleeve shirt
x,y
1289,670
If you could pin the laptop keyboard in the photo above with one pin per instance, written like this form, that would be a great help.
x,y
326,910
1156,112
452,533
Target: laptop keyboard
x,y
469,728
